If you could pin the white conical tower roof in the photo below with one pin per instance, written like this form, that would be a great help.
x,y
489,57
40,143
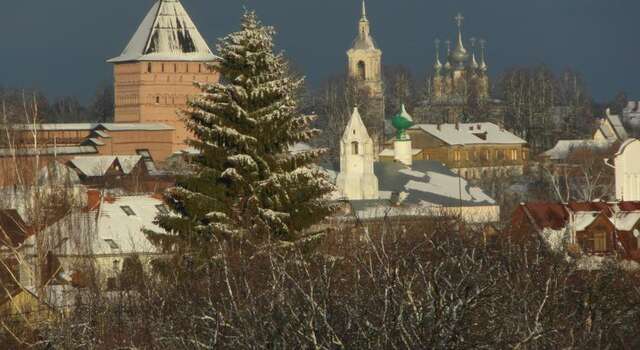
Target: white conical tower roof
x,y
355,124
167,33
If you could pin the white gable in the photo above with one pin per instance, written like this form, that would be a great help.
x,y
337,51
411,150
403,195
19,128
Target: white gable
x,y
99,165
356,130
167,33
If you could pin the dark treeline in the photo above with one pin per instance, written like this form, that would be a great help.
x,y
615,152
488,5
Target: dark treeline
x,y
68,109
409,288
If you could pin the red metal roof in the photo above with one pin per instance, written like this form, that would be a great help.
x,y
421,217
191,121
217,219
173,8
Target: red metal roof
x,y
556,215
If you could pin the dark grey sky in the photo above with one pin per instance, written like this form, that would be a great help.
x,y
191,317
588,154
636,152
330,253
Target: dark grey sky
x,y
61,46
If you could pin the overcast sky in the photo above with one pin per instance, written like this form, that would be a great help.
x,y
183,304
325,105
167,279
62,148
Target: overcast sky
x,y
61,46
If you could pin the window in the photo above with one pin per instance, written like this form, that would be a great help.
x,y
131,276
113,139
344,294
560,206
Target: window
x,y
148,67
362,70
162,209
175,68
157,99
127,210
112,244
163,68
599,242
354,148
199,68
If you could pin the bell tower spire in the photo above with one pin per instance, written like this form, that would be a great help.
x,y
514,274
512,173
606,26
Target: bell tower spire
x,y
364,10
365,29
437,66
483,62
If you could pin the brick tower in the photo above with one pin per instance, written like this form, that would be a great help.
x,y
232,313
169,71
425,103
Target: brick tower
x,y
155,74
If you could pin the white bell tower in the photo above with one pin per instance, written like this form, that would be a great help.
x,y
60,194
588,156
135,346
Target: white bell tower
x,y
357,179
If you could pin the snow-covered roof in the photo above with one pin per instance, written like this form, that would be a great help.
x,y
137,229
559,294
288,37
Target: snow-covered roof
x,y
626,221
99,165
618,127
167,33
388,152
56,126
58,150
470,133
113,229
428,183
93,126
121,223
93,166
563,148
136,126
583,219
57,173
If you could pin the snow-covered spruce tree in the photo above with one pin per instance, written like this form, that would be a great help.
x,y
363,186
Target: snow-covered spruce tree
x,y
248,184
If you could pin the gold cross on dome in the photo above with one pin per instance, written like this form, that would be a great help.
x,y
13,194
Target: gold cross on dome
x,y
459,19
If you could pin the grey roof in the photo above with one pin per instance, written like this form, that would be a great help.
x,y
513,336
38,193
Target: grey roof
x,y
136,126
59,150
470,133
364,42
167,33
618,127
93,126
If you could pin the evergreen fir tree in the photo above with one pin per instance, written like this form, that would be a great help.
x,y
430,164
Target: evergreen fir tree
x,y
248,183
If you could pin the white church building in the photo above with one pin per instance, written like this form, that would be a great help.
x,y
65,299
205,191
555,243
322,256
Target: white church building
x,y
404,187
627,165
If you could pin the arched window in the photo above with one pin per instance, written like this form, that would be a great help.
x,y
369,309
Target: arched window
x,y
362,70
354,148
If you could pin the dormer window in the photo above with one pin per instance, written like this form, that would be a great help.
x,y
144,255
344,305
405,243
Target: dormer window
x,y
354,148
112,244
162,209
127,210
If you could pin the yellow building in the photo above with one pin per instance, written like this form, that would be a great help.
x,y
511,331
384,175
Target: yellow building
x,y
155,74
473,150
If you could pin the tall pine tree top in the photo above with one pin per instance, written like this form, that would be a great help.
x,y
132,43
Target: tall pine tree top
x,y
248,184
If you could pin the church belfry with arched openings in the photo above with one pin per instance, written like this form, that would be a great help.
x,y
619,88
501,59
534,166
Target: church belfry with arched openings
x,y
365,58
